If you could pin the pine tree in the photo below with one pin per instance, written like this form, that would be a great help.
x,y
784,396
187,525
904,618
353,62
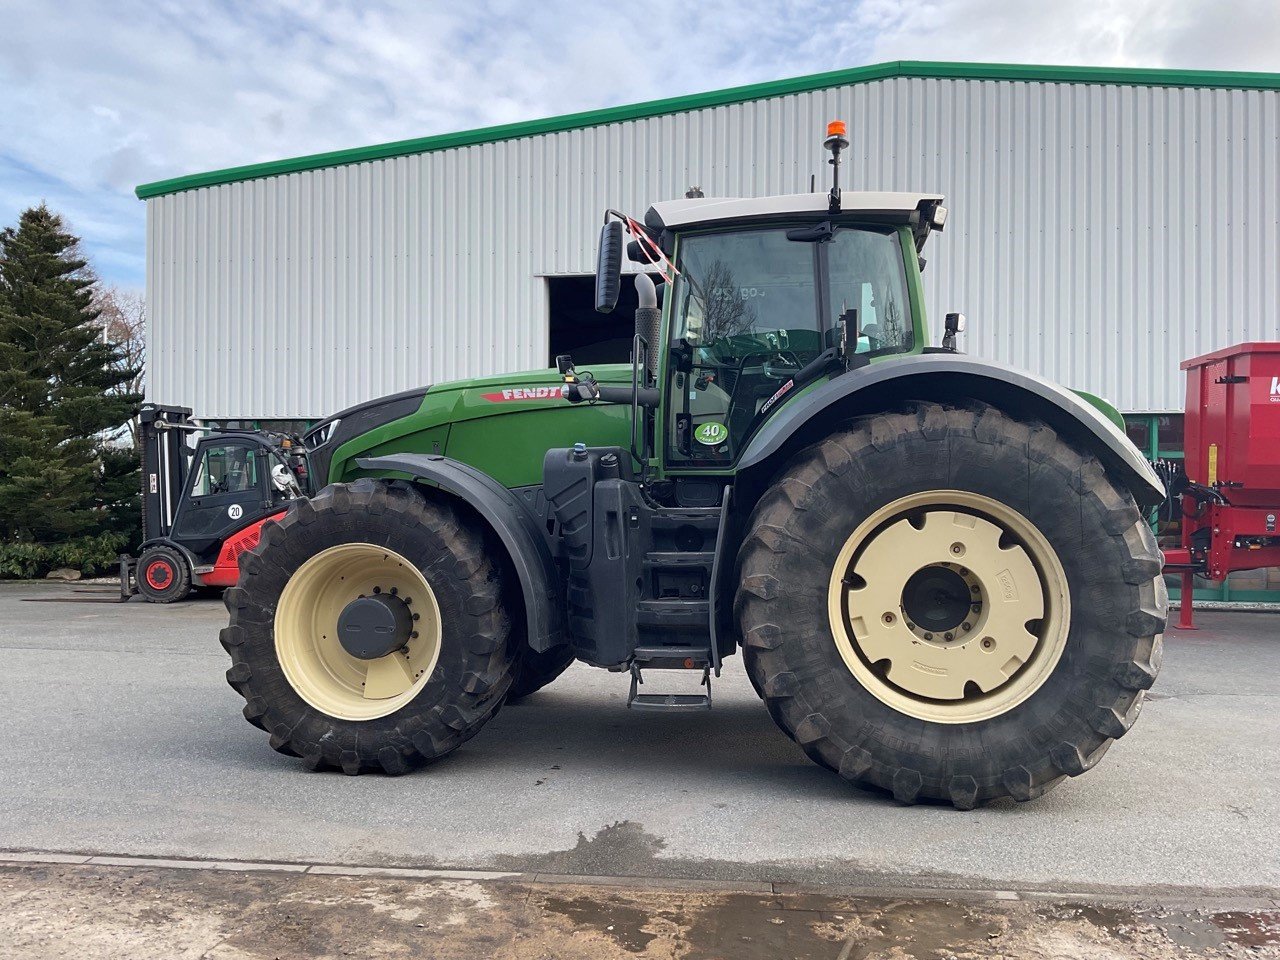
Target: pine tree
x,y
59,391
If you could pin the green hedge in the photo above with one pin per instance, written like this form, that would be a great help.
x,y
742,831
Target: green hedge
x,y
90,555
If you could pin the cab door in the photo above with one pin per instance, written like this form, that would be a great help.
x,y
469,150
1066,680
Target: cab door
x,y
227,490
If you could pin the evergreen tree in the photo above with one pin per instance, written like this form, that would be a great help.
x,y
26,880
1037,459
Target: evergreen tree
x,y
60,392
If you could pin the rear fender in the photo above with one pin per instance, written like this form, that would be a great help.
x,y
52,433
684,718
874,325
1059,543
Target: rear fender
x,y
946,378
511,522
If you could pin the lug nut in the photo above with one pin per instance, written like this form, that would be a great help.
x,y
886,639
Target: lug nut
x,y
965,625
928,636
951,636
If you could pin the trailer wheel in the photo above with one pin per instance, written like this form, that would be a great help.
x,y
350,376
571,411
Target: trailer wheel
x,y
535,670
949,604
162,575
367,630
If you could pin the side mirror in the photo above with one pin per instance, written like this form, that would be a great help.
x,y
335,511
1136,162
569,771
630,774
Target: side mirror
x,y
609,267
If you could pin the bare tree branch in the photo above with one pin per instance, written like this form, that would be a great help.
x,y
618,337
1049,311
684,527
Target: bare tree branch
x,y
123,320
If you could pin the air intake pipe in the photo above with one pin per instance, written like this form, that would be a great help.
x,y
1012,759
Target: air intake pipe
x,y
648,324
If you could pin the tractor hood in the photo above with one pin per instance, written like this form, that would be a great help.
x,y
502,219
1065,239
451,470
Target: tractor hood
x,y
501,425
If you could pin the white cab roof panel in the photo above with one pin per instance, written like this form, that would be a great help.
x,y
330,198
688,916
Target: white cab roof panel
x,y
674,214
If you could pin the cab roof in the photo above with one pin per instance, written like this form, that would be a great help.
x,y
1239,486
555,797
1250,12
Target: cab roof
x,y
885,207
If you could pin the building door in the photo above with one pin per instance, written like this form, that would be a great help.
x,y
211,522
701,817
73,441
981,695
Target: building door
x,y
576,328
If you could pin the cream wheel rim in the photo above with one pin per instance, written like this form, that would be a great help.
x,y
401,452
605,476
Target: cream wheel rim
x,y
311,655
949,606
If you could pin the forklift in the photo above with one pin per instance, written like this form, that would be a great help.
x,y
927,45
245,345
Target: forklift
x,y
203,507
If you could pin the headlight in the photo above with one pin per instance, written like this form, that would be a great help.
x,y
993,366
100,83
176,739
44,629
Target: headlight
x,y
320,435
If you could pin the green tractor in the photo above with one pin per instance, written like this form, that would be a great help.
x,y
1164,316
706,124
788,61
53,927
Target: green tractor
x,y
937,569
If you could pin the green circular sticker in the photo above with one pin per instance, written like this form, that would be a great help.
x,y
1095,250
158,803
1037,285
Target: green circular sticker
x,y
711,433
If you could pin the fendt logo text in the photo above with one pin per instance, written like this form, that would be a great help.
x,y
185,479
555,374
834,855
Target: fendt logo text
x,y
519,394
1275,390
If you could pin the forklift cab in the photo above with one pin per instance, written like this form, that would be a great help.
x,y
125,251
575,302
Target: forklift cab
x,y
229,479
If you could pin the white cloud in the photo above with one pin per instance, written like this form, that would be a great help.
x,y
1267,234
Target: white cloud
x,y
1181,34
100,97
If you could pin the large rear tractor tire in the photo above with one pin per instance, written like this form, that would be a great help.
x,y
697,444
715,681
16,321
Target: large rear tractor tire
x,y
367,630
535,670
950,605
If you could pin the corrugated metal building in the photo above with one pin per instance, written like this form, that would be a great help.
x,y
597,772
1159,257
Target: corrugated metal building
x,y
1105,224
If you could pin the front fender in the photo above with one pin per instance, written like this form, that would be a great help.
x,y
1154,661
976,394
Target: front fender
x,y
951,378
514,526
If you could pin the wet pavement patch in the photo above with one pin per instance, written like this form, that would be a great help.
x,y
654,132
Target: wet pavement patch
x,y
1253,930
919,933
623,924
620,848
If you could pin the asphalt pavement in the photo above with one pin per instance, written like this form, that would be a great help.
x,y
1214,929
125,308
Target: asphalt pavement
x,y
121,737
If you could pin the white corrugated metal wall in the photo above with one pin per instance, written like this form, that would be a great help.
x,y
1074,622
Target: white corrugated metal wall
x,y
1099,234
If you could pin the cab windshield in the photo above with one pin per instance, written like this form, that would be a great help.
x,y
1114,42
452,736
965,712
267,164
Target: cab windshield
x,y
752,308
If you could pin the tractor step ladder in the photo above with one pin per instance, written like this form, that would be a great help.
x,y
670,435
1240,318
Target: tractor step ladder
x,y
670,658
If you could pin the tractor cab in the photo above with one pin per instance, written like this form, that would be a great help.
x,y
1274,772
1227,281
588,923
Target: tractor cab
x,y
204,505
761,299
756,307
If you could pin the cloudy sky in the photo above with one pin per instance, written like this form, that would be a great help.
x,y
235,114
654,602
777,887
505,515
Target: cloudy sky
x,y
97,97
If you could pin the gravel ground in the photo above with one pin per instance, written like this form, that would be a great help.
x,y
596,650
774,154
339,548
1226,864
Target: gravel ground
x,y
51,912
122,737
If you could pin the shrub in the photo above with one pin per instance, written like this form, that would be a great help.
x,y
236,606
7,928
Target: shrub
x,y
90,555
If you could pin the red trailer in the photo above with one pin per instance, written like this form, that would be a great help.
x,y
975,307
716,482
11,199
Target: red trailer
x,y
1230,496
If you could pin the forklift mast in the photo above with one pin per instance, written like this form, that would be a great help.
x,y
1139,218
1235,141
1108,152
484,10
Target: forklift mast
x,y
164,466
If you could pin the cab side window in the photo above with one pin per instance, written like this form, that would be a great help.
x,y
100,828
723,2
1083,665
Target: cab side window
x,y
867,274
229,468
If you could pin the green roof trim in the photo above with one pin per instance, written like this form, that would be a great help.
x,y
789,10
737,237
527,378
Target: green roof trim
x,y
1130,76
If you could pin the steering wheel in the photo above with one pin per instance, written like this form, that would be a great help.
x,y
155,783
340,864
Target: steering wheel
x,y
790,364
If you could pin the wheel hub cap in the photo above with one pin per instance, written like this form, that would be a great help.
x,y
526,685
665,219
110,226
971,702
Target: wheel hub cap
x,y
372,627
936,598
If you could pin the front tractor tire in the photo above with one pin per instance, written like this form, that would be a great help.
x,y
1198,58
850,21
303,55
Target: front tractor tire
x,y
367,630
950,605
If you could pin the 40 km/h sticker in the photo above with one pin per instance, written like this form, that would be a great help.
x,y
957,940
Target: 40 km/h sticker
x,y
711,433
